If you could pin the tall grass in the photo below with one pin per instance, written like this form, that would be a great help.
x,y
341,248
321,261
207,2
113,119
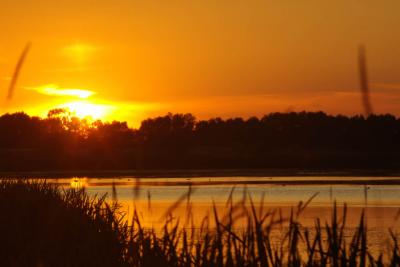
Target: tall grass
x,y
42,224
17,71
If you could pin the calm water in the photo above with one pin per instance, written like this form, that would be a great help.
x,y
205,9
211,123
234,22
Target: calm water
x,y
383,200
153,196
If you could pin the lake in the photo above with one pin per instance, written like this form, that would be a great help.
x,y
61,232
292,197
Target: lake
x,y
379,197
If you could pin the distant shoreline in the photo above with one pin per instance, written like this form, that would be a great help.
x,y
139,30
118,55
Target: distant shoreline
x,y
180,173
277,144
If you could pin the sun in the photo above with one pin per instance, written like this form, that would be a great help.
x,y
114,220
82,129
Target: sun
x,y
87,109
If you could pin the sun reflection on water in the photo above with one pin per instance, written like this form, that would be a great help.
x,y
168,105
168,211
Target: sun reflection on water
x,y
78,183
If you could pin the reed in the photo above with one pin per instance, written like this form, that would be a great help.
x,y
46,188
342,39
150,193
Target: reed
x,y
44,224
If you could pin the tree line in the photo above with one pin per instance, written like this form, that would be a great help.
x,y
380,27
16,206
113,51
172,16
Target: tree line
x,y
310,140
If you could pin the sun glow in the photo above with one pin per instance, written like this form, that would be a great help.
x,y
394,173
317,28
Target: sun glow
x,y
89,104
79,52
85,109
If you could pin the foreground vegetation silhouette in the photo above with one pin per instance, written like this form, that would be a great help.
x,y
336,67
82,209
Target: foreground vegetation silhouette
x,y
42,225
311,140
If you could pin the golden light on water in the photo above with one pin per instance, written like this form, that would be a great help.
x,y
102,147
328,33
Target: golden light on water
x,y
78,183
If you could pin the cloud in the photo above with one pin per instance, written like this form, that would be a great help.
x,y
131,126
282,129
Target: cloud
x,y
386,86
55,90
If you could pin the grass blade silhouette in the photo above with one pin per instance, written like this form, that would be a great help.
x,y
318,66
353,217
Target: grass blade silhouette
x,y
17,71
362,63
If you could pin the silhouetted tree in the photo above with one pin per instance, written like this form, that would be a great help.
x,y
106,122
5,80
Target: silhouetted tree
x,y
278,140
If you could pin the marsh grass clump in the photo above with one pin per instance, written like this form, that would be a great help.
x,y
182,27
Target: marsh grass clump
x,y
265,239
43,225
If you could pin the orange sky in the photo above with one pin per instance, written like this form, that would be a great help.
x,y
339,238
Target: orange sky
x,y
137,59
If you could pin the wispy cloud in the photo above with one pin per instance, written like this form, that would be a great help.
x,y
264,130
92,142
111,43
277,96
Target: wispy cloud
x,y
387,86
70,69
55,90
